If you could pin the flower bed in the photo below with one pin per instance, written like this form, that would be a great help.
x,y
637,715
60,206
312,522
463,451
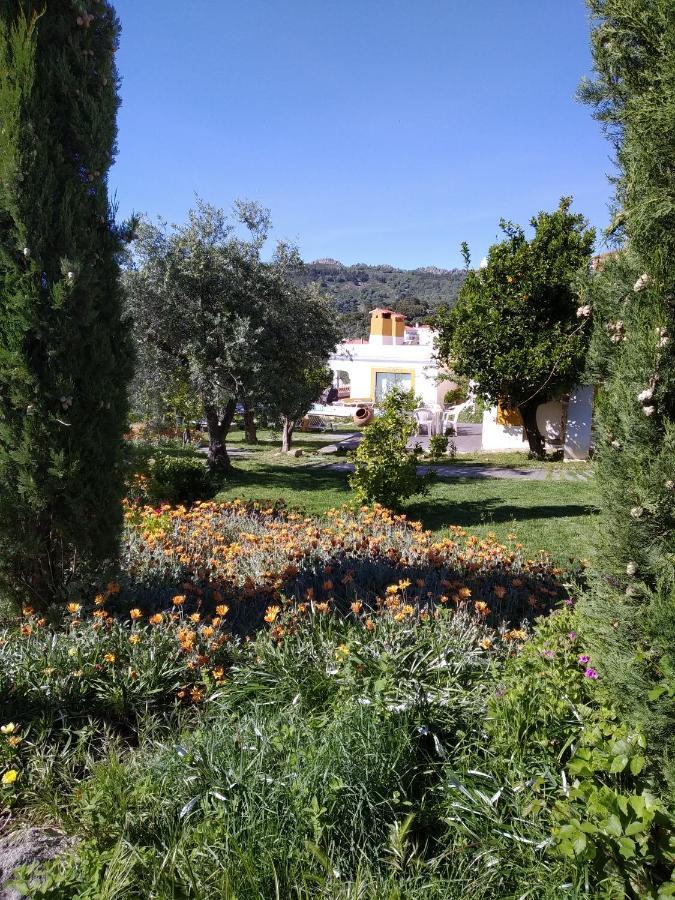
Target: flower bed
x,y
261,562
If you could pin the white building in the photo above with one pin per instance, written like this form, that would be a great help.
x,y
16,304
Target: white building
x,y
394,354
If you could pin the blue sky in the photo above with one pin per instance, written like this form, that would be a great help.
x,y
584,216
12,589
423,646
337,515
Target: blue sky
x,y
374,130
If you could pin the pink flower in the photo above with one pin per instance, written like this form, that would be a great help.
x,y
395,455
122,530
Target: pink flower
x,y
590,673
583,659
572,635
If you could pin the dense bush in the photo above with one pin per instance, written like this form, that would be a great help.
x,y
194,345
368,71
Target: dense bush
x,y
630,613
179,479
384,471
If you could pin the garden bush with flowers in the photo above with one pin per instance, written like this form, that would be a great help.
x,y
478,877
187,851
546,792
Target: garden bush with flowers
x,y
264,704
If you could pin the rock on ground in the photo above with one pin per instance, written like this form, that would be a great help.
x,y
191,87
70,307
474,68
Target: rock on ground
x,y
21,848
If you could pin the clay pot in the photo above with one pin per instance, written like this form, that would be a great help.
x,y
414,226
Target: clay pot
x,y
363,415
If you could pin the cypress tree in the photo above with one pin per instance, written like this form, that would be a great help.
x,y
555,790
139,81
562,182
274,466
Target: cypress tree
x,y
64,349
630,612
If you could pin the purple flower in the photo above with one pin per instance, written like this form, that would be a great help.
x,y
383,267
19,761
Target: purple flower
x,y
548,654
572,635
590,673
583,659
569,601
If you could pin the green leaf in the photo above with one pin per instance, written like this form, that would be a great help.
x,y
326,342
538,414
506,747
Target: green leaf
x,y
619,763
626,847
637,764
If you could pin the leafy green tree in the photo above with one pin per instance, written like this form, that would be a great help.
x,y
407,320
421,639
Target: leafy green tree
x,y
296,373
630,612
384,471
517,327
65,356
231,328
194,293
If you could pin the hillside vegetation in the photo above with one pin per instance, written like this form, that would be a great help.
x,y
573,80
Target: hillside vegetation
x,y
359,288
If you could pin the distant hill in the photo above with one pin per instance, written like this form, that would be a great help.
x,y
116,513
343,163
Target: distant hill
x,y
357,289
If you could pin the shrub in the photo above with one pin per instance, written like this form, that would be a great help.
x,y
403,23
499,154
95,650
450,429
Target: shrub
x,y
179,479
438,446
630,613
384,471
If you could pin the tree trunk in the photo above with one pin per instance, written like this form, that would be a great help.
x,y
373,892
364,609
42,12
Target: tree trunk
x,y
218,427
534,437
288,427
250,428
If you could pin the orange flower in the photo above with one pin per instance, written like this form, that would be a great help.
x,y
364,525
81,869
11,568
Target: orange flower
x,y
74,608
26,630
356,607
369,624
485,644
135,614
272,613
156,619
109,657
27,610
481,608
321,608
195,617
464,593
222,610
500,591
99,600
178,600
328,585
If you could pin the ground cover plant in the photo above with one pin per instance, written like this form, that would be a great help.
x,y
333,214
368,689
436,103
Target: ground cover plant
x,y
311,708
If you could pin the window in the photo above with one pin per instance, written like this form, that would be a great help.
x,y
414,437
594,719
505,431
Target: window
x,y
385,381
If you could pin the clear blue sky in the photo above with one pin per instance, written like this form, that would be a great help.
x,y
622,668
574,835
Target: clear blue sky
x,y
374,130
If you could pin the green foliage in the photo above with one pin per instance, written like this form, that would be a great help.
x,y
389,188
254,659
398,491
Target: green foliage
x,y
438,446
355,290
384,471
64,350
630,611
179,479
515,327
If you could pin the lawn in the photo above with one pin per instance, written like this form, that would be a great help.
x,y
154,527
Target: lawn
x,y
552,515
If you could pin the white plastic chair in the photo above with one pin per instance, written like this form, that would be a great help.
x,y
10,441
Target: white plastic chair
x,y
424,419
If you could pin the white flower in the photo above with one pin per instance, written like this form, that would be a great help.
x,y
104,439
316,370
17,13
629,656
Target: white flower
x,y
641,283
649,410
26,252
616,444
636,512
584,311
631,568
670,485
645,395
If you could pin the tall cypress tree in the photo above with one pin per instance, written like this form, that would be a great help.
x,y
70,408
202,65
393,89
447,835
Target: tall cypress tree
x,y
64,350
630,613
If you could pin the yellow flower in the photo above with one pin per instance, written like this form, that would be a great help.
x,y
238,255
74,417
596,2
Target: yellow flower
x,y
9,728
14,740
342,652
178,600
222,610
74,608
99,600
156,619
10,776
109,657
485,644
135,614
272,613
195,617
135,639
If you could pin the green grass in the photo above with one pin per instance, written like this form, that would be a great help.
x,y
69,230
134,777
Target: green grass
x,y
556,516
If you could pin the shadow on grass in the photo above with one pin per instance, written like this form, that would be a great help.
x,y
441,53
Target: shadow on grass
x,y
285,479
468,513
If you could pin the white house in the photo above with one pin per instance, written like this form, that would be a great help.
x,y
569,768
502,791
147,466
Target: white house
x,y
394,354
